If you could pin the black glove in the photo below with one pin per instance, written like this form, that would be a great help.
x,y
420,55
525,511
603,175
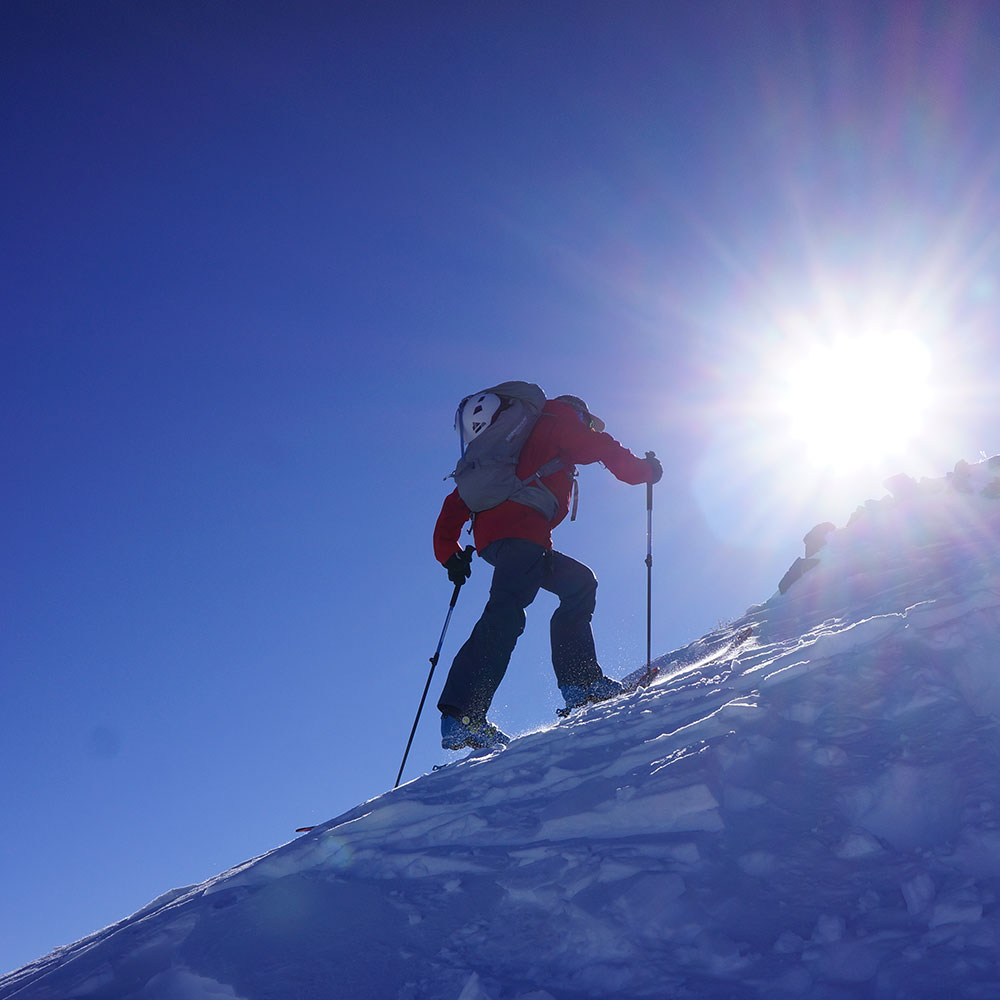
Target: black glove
x,y
657,468
459,566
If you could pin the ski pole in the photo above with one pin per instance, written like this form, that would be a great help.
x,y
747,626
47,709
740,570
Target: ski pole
x,y
649,569
434,663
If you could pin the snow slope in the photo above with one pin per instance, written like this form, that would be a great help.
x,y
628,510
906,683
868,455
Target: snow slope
x,y
815,813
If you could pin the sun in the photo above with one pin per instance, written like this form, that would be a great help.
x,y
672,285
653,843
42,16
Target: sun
x,y
851,401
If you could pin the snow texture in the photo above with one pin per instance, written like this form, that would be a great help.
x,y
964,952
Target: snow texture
x,y
813,813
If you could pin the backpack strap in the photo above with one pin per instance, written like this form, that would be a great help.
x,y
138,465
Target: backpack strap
x,y
546,470
554,466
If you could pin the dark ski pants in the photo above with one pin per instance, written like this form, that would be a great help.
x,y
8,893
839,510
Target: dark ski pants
x,y
520,569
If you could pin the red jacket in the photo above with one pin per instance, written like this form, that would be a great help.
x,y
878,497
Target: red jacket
x,y
561,434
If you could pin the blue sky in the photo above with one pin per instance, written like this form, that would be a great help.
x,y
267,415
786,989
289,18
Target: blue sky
x,y
254,255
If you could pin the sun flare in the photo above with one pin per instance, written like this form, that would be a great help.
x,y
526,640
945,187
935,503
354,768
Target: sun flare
x,y
852,401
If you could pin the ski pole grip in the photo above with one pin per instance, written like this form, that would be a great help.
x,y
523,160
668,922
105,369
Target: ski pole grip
x,y
649,486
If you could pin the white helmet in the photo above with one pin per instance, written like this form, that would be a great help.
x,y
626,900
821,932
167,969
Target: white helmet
x,y
476,413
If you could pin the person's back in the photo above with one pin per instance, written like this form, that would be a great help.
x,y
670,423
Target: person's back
x,y
561,433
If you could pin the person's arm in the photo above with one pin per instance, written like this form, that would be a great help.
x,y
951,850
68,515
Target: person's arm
x,y
583,446
449,526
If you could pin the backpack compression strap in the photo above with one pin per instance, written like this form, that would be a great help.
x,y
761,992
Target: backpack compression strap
x,y
547,470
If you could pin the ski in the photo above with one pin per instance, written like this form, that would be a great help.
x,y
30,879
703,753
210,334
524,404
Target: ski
x,y
476,754
644,676
640,678
632,682
719,652
724,649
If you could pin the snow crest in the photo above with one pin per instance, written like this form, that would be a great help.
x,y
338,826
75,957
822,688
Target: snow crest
x,y
812,813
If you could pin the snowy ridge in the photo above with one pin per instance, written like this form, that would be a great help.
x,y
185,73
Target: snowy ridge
x,y
814,813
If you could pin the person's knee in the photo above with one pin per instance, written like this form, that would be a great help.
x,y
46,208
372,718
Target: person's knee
x,y
586,594
504,617
581,600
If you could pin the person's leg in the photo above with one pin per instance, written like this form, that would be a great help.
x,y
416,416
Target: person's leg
x,y
481,663
574,658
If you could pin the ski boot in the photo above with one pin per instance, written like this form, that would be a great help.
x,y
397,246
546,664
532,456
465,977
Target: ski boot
x,y
576,695
457,734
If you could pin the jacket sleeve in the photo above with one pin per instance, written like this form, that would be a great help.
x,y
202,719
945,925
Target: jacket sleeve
x,y
584,446
449,525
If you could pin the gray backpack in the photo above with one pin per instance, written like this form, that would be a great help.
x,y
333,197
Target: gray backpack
x,y
486,474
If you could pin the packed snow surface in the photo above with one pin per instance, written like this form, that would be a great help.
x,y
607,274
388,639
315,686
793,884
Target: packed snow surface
x,y
814,812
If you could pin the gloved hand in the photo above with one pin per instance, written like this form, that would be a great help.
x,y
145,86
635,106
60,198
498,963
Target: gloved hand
x,y
459,566
655,464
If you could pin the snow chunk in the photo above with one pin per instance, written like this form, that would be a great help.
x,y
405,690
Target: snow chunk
x,y
857,844
918,893
907,806
829,928
849,962
829,756
978,852
760,864
182,984
805,712
644,903
741,799
685,809
962,906
473,989
788,943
